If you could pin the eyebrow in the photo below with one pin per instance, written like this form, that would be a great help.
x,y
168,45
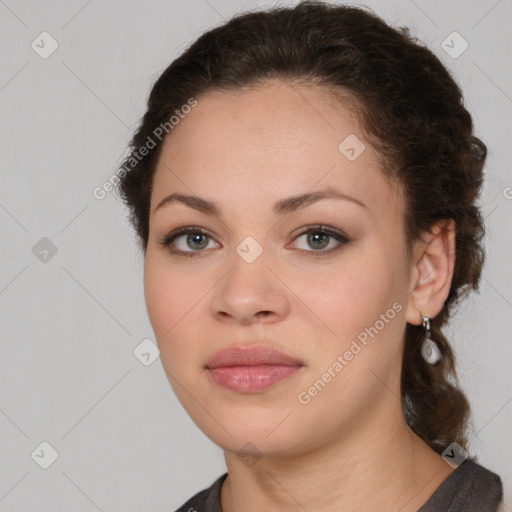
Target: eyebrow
x,y
282,207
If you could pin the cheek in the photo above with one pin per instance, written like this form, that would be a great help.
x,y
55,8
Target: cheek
x,y
358,312
160,296
362,320
170,291
177,301
346,297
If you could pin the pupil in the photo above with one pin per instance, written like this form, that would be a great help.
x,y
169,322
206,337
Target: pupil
x,y
314,238
194,238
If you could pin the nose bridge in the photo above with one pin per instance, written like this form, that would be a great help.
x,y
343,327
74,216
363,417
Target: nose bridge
x,y
247,282
250,290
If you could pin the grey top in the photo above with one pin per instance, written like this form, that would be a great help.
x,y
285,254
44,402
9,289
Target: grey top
x,y
470,488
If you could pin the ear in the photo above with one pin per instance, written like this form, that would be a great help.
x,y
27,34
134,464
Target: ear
x,y
432,271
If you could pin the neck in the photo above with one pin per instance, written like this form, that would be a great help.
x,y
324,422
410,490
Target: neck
x,y
389,468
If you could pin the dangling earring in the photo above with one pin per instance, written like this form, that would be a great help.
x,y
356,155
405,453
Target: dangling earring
x,y
429,349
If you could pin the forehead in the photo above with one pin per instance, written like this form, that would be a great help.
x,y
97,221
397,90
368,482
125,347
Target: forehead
x,y
272,141
266,116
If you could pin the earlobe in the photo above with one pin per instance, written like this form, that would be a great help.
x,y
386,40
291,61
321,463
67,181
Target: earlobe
x,y
432,271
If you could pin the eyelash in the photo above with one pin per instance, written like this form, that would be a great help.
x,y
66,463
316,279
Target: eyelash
x,y
317,229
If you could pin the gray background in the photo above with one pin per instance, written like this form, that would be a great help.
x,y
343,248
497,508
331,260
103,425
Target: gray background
x,y
72,320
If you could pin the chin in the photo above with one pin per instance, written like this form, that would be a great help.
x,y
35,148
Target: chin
x,y
247,443
263,430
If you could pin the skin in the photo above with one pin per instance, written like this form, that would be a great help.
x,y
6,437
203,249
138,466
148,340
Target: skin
x,y
246,151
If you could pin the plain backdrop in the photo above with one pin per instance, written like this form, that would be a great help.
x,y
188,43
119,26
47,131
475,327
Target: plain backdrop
x,y
71,297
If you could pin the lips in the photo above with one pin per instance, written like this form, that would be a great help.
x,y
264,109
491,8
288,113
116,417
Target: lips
x,y
255,356
250,370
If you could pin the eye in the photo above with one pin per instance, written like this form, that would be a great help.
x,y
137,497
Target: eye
x,y
322,239
182,240
190,241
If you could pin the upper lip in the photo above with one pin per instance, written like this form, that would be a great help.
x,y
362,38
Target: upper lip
x,y
260,355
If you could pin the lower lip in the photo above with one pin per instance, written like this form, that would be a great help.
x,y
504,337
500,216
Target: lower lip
x,y
251,379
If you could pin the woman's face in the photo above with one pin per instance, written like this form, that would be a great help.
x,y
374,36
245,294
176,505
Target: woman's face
x,y
259,276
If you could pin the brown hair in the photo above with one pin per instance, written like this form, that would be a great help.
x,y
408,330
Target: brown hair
x,y
411,111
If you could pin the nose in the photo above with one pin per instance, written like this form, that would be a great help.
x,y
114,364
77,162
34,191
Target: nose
x,y
250,293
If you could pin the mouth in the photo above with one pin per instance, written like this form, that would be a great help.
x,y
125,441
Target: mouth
x,y
251,370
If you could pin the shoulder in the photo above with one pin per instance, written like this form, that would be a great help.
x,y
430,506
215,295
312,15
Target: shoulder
x,y
471,487
207,500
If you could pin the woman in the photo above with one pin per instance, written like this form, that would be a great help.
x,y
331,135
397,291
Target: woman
x,y
303,185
